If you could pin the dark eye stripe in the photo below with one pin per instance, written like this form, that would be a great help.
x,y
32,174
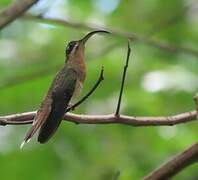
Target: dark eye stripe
x,y
70,47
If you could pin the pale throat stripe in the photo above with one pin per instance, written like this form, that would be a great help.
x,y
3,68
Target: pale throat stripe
x,y
74,48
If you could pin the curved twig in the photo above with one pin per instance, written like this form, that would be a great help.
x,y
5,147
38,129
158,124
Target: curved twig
x,y
89,93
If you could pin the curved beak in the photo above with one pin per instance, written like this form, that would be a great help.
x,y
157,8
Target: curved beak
x,y
84,40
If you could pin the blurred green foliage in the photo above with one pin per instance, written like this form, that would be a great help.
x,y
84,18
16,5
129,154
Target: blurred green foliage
x,y
158,83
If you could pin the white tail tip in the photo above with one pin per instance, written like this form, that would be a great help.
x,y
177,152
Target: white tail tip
x,y
22,144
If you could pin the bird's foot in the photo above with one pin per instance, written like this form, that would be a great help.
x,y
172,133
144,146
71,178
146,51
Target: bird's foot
x,y
70,106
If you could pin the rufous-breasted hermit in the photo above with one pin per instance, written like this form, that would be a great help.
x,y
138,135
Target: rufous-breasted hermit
x,y
66,85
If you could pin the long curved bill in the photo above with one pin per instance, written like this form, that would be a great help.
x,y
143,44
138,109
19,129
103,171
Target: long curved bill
x,y
84,40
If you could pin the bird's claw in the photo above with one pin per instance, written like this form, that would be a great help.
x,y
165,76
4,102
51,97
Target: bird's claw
x,y
70,106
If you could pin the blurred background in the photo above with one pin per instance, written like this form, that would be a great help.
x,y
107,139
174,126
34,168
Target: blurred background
x,y
158,83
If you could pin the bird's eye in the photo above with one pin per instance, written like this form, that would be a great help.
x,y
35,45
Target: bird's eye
x,y
70,46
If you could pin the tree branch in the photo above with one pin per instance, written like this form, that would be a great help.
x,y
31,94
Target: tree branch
x,y
123,79
14,10
124,34
175,165
27,118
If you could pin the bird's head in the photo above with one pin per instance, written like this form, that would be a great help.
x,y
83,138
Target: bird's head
x,y
75,49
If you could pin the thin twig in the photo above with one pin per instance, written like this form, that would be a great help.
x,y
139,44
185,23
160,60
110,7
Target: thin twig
x,y
14,10
175,165
27,118
123,79
124,34
89,93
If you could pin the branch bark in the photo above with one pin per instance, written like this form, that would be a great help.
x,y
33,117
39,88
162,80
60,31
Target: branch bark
x,y
175,165
14,10
27,118
124,34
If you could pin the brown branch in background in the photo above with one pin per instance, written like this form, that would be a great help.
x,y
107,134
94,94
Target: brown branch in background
x,y
123,80
27,118
175,165
14,10
89,93
124,34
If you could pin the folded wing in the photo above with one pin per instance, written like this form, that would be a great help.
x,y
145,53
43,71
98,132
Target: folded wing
x,y
61,98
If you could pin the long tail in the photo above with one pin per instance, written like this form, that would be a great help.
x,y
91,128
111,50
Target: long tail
x,y
48,129
41,116
30,133
53,121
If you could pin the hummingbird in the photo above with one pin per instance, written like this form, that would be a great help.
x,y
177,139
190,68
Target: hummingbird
x,y
65,86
